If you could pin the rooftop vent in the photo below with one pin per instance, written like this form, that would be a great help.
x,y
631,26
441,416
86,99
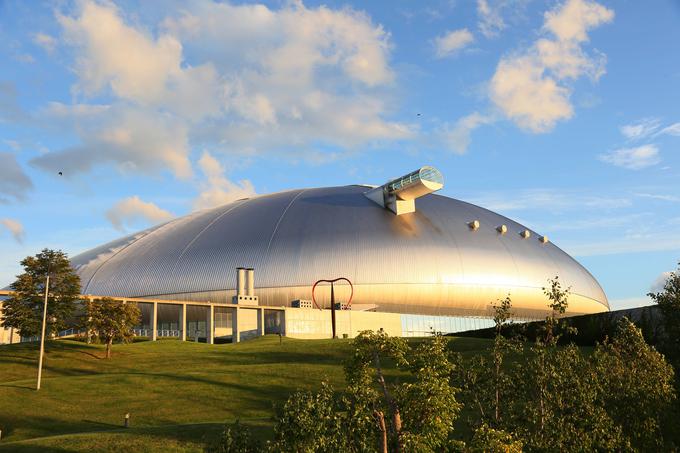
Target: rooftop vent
x,y
543,239
502,229
526,234
398,195
474,224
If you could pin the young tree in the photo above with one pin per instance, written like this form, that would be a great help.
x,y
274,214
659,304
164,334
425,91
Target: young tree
x,y
558,302
311,422
635,385
375,414
24,309
668,301
111,320
502,313
489,440
236,438
561,409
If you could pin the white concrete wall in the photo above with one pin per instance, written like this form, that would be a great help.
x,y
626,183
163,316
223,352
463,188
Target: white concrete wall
x,y
8,335
314,323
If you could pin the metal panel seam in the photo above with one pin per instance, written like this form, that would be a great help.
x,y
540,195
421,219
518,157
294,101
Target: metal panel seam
x,y
276,228
172,271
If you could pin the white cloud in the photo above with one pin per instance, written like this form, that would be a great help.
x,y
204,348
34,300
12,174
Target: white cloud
x,y
490,19
546,200
633,158
133,209
217,190
457,138
45,41
451,42
623,246
216,73
135,66
14,183
662,197
642,129
532,87
133,139
660,281
15,228
673,129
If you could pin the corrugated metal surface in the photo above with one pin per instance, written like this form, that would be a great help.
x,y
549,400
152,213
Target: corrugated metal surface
x,y
429,261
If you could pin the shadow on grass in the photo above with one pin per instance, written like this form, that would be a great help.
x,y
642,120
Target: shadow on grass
x,y
154,438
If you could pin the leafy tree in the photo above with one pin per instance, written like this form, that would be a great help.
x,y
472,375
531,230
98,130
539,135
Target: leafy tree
x,y
236,438
668,301
312,422
636,385
428,402
489,440
501,346
111,320
558,302
561,406
24,309
370,350
416,415
486,381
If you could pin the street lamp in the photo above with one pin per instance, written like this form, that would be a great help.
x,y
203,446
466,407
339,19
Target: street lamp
x,y
44,322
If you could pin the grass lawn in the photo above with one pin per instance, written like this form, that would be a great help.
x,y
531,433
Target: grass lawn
x,y
179,394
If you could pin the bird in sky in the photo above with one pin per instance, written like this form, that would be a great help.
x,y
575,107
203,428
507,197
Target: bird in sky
x,y
61,174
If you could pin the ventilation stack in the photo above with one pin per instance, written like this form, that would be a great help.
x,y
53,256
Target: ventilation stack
x,y
245,287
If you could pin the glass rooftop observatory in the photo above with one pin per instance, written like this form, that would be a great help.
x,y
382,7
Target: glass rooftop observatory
x,y
398,195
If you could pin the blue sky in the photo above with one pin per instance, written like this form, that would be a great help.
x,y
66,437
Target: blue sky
x,y
563,115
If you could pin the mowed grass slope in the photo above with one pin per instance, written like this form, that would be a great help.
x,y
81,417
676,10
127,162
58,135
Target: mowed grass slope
x,y
179,394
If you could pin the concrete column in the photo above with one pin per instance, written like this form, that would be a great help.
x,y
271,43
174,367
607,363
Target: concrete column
x,y
235,331
260,322
211,325
154,322
184,322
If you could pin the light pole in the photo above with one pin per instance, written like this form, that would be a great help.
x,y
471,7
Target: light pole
x,y
42,336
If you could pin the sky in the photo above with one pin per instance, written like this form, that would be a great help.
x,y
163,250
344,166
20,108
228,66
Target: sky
x,y
562,115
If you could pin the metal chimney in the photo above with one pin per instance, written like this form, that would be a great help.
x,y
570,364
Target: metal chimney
x,y
250,281
240,281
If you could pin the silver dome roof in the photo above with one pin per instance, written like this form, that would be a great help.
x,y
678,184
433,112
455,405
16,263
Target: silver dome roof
x,y
430,261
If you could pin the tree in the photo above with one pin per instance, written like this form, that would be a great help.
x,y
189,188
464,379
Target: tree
x,y
489,440
111,320
311,422
24,309
485,380
558,302
635,385
374,413
236,438
668,301
501,346
560,406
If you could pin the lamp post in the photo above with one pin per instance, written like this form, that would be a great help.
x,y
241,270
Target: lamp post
x,y
42,336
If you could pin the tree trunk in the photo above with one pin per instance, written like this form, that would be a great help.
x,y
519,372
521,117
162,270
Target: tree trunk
x,y
498,360
394,408
108,348
383,430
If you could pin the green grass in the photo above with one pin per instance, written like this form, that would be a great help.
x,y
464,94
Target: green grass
x,y
179,394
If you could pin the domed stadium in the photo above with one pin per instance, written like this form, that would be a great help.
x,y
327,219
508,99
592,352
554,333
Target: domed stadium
x,y
404,249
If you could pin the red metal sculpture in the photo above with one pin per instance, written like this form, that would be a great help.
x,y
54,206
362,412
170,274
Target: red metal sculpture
x,y
349,302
